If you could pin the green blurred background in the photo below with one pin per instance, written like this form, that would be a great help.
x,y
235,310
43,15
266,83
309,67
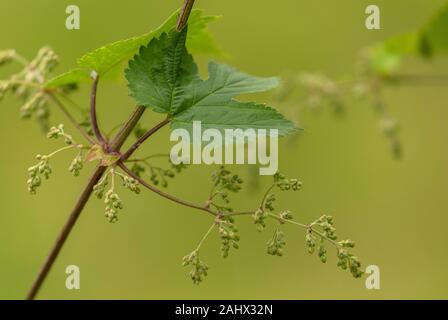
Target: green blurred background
x,y
395,210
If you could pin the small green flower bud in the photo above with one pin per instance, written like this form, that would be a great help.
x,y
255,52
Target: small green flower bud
x,y
200,269
6,56
286,215
76,165
228,233
276,244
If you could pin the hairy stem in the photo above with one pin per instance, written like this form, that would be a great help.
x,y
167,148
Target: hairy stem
x,y
93,117
157,155
143,138
184,14
63,235
84,197
305,226
115,145
126,130
205,236
70,118
163,194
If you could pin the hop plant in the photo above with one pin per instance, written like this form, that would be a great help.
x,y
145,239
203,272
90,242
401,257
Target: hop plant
x,y
131,184
113,204
269,203
28,84
112,199
310,241
31,85
285,216
322,252
76,165
223,183
199,270
260,217
157,175
286,184
277,243
43,168
347,260
36,172
228,233
138,169
100,187
37,104
58,132
224,180
326,223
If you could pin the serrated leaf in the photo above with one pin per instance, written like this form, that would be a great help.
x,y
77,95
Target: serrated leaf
x,y
164,77
235,115
159,76
109,58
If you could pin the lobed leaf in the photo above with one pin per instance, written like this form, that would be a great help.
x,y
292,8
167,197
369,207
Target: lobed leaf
x,y
165,78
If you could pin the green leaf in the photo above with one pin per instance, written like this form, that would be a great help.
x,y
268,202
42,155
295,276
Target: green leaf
x,y
71,77
160,75
426,41
434,34
235,115
109,58
164,77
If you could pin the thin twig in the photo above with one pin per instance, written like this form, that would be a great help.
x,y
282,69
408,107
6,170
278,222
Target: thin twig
x,y
126,130
70,118
143,138
163,194
93,117
157,155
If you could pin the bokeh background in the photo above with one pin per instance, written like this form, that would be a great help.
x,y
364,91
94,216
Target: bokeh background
x,y
395,210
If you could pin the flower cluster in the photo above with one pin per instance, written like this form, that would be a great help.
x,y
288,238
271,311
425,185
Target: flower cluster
x,y
76,165
113,204
260,217
199,270
111,198
36,172
27,84
157,175
100,188
346,260
58,132
326,223
286,184
223,179
43,168
223,183
130,183
276,244
228,233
